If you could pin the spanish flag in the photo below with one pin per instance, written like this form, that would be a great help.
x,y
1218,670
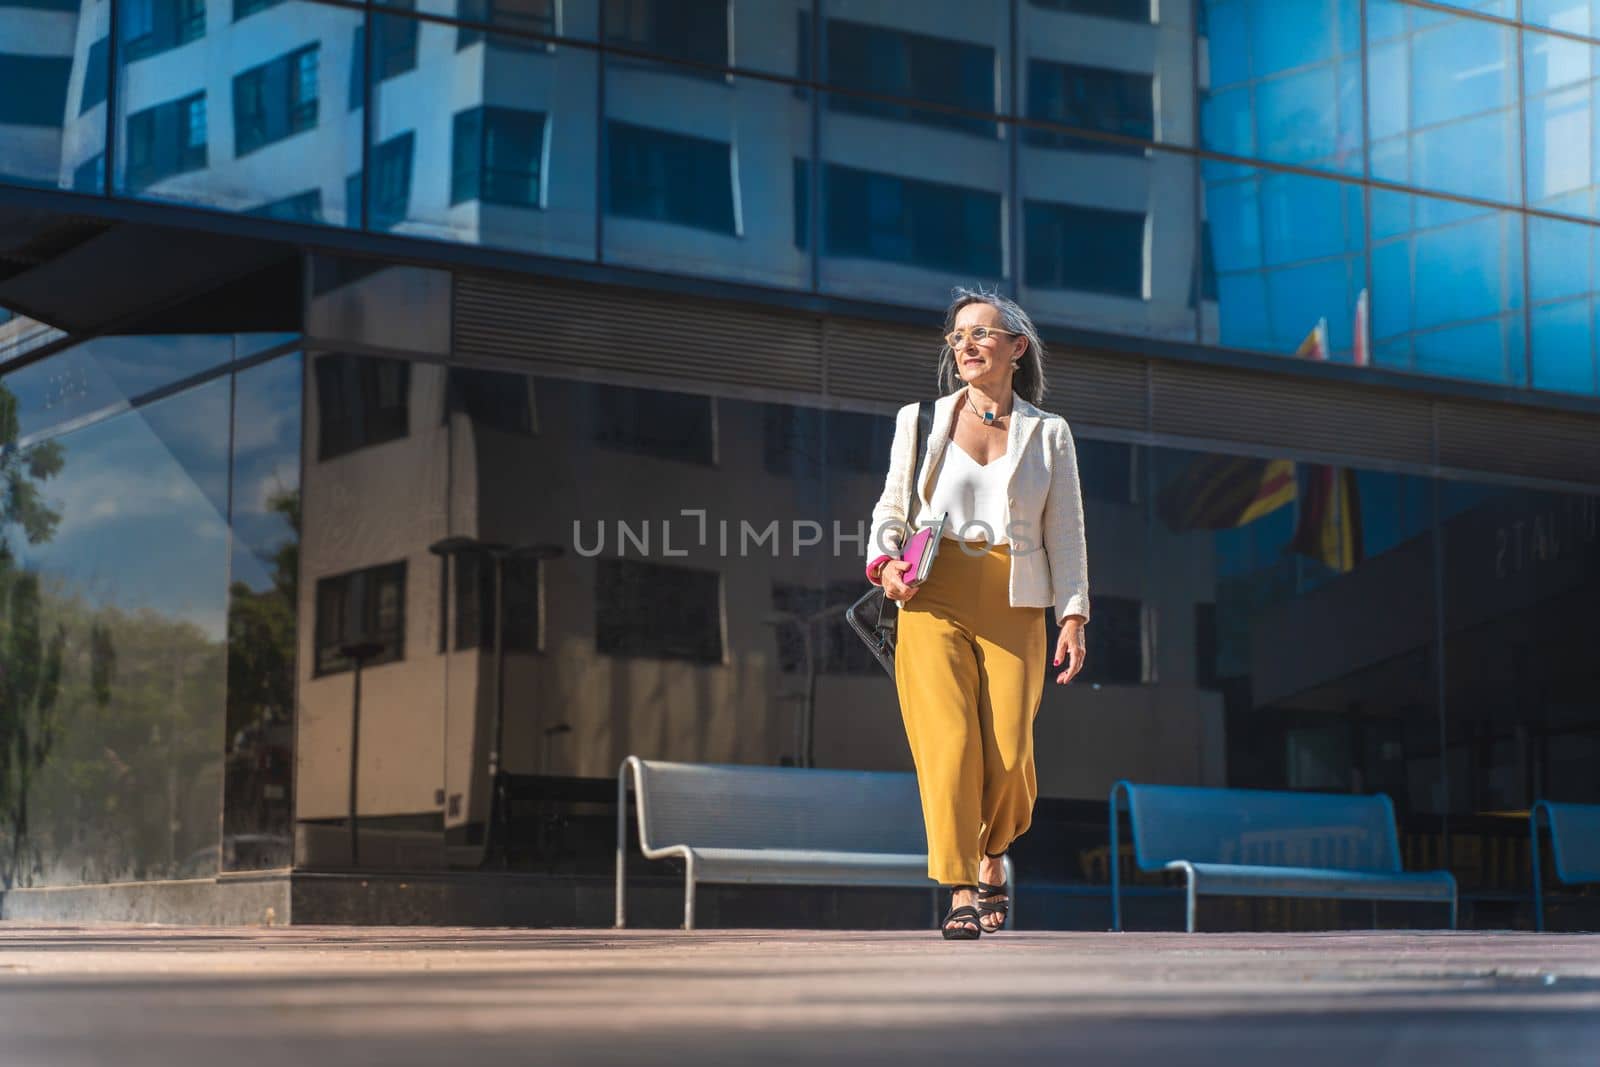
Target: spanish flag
x,y
1329,525
1315,346
1219,492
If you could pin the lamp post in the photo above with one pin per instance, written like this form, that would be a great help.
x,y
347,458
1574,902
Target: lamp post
x,y
805,722
497,552
360,652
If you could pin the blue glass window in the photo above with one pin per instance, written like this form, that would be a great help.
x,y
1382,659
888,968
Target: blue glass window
x,y
36,89
911,220
153,26
497,154
1087,249
301,207
90,175
165,140
394,48
1092,98
669,177
243,8
526,16
1559,112
1127,10
275,100
939,70
391,182
695,30
96,72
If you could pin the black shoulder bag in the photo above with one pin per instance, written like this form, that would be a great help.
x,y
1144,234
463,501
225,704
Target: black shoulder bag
x,y
871,617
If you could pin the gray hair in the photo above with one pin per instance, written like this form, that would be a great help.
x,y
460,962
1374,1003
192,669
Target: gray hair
x,y
1029,381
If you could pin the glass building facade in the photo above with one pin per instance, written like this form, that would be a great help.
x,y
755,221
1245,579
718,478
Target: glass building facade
x,y
217,518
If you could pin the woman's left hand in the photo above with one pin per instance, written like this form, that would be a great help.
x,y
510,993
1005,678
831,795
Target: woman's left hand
x,y
1070,644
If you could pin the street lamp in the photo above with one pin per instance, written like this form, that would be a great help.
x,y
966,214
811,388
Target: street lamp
x,y
498,552
805,722
360,652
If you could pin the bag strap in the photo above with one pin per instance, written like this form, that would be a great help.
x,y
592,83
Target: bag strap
x,y
924,430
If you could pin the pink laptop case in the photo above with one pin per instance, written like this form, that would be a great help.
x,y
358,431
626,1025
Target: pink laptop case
x,y
920,550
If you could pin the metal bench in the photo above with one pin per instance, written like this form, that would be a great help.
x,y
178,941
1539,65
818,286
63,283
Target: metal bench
x,y
775,826
1574,846
1254,842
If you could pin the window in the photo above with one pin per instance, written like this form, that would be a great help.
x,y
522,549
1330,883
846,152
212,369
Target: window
x,y
835,646
1121,642
696,30
90,175
1090,98
301,207
94,76
1128,10
275,100
803,442
394,42
519,619
912,221
497,153
362,401
492,398
669,177
358,71
679,426
391,184
153,26
244,8
1088,249
802,203
658,611
165,140
35,90
526,16
937,70
364,605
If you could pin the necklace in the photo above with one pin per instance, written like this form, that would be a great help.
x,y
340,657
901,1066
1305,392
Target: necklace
x,y
986,416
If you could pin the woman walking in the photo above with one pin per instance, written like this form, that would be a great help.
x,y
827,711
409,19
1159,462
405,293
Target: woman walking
x,y
970,652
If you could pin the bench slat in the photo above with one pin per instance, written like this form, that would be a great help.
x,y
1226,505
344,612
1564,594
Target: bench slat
x,y
807,867
1313,882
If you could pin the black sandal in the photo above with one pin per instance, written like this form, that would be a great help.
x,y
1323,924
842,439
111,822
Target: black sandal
x,y
994,900
966,913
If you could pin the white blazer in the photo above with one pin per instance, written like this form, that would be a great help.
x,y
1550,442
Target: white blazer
x,y
1044,504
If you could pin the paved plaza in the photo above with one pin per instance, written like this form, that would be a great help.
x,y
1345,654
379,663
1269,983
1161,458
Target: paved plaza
x,y
314,996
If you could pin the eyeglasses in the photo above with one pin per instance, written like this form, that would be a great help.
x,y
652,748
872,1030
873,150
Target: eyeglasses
x,y
979,334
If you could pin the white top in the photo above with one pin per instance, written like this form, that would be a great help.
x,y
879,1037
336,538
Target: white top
x,y
974,496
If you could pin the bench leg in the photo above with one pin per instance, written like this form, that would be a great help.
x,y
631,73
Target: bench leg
x,y
1188,900
688,892
622,847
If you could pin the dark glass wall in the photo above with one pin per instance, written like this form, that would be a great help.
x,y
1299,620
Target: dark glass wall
x,y
1364,181
129,458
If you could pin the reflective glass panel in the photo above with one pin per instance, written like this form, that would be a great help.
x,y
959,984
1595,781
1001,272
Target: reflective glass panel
x,y
706,175
1562,86
507,161
1108,240
1115,68
1520,573
574,19
1568,16
943,53
53,64
1285,81
1563,280
1277,584
1447,289
1284,253
114,615
892,228
1443,93
263,597
253,116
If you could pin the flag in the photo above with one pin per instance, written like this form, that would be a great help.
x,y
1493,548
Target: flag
x,y
1363,342
1315,346
1219,492
1329,525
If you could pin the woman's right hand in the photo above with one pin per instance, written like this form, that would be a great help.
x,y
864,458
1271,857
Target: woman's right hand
x,y
893,577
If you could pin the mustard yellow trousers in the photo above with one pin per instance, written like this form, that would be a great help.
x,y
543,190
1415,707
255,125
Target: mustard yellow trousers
x,y
970,671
